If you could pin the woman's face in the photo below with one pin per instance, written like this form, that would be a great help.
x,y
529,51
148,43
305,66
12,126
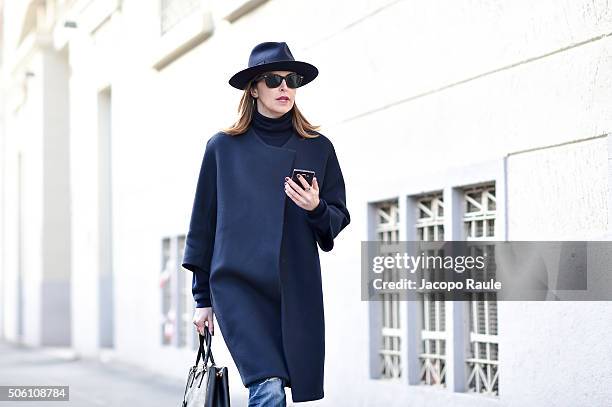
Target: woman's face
x,y
274,102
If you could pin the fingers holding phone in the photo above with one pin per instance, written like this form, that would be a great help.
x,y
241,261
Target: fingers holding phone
x,y
306,175
303,189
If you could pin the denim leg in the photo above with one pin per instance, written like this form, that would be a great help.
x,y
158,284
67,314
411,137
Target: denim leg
x,y
268,392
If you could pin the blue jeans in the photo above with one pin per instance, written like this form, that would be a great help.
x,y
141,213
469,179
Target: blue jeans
x,y
268,392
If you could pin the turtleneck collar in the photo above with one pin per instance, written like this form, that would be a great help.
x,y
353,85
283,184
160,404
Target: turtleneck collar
x,y
269,125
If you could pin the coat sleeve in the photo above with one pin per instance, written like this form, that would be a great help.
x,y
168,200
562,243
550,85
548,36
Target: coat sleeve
x,y
331,215
200,239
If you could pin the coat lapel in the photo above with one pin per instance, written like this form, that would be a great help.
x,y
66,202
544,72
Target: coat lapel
x,y
264,168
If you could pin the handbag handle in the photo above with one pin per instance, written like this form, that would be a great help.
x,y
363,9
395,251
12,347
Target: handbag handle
x,y
206,354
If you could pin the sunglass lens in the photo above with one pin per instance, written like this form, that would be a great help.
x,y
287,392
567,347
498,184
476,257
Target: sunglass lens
x,y
273,81
294,80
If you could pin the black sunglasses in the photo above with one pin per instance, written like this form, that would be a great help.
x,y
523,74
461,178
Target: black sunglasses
x,y
293,80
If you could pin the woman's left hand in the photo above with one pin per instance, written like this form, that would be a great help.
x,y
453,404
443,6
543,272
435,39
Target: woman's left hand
x,y
305,197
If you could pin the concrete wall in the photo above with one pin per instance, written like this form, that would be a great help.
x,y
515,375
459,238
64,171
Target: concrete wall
x,y
406,89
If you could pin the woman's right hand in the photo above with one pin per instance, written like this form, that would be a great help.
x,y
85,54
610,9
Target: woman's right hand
x,y
200,317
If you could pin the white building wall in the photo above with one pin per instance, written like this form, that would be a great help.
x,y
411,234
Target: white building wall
x,y
36,254
55,229
93,69
24,253
406,89
2,190
545,346
482,96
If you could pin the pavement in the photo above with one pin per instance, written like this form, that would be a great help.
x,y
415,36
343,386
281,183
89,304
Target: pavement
x,y
91,382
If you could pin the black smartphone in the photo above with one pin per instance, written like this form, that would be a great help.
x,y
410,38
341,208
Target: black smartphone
x,y
308,176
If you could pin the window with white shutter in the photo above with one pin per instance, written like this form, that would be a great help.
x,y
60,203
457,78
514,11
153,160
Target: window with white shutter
x,y
387,230
432,356
483,363
177,304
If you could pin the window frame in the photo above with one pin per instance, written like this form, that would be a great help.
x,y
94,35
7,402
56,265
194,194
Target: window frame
x,y
452,182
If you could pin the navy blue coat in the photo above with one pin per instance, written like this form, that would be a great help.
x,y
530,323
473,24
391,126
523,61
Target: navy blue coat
x,y
259,251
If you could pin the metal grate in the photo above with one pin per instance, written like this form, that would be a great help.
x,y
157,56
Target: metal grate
x,y
165,283
185,298
177,303
479,213
387,230
430,227
430,218
483,362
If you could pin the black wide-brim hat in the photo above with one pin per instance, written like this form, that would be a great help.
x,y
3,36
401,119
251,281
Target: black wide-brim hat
x,y
272,56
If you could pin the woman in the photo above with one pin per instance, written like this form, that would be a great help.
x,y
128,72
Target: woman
x,y
253,252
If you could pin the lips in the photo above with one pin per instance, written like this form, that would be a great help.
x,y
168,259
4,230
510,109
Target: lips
x,y
282,98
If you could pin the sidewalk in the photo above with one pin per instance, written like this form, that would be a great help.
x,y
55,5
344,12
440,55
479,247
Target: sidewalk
x,y
92,382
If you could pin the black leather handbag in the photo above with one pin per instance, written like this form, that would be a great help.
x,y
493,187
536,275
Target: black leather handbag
x,y
207,385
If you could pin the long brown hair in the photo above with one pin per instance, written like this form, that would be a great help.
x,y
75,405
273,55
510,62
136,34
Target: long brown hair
x,y
245,114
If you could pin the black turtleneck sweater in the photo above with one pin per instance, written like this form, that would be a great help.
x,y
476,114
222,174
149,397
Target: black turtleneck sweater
x,y
273,131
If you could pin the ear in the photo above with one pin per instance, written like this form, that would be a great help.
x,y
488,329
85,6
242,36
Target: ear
x,y
253,90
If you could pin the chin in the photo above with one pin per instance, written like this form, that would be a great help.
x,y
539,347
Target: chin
x,y
282,111
279,110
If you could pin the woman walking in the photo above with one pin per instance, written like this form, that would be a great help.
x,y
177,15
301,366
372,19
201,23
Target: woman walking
x,y
253,234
